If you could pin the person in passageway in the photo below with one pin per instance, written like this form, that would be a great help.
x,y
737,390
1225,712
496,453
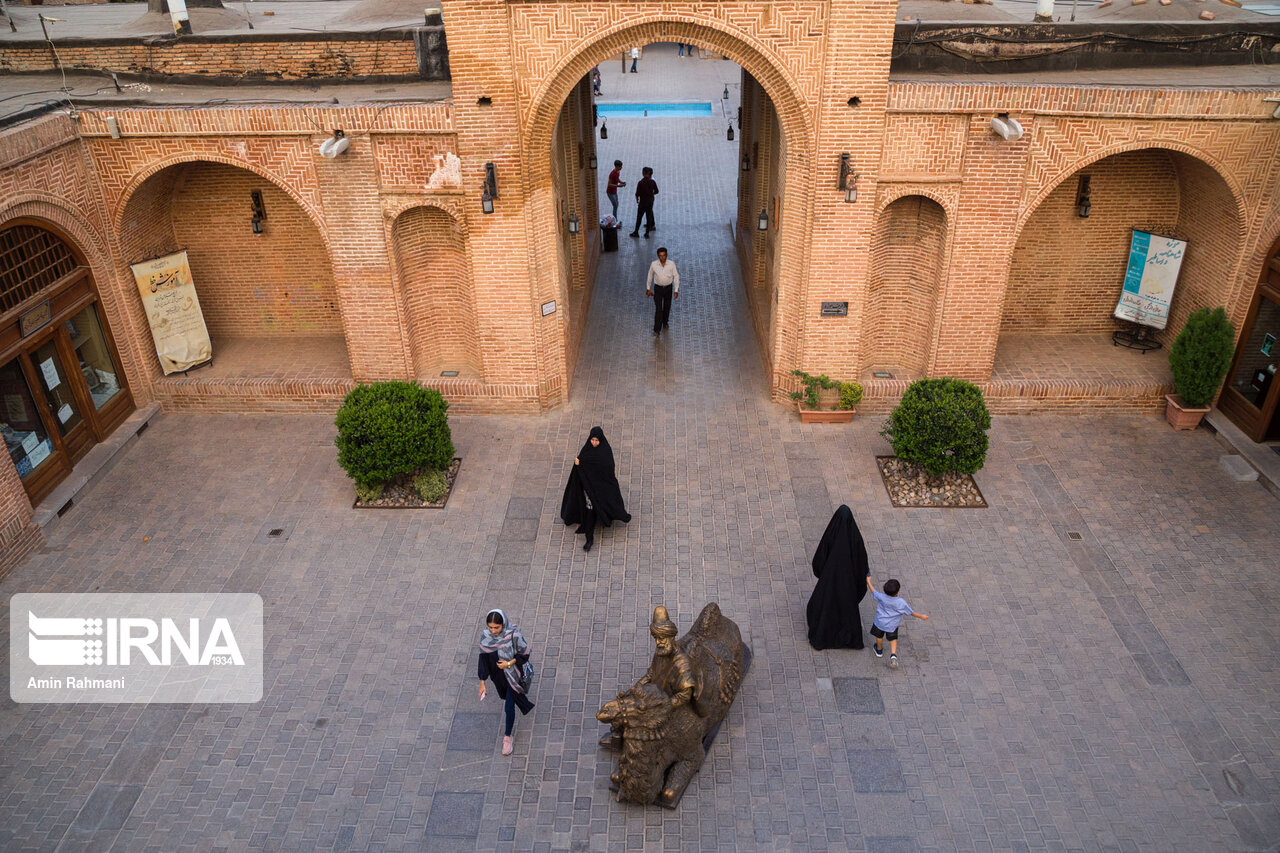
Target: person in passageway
x,y
840,565
592,494
662,284
645,191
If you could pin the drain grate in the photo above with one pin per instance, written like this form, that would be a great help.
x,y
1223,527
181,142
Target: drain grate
x,y
277,531
1071,534
880,374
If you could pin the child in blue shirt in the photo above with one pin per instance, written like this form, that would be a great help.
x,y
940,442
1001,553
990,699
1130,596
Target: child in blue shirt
x,y
889,612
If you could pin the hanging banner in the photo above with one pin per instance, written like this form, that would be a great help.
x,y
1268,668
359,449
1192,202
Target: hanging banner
x,y
173,310
1154,262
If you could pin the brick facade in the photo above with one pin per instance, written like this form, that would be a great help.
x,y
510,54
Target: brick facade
x,y
956,238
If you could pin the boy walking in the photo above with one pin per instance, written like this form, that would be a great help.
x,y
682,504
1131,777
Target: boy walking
x,y
890,609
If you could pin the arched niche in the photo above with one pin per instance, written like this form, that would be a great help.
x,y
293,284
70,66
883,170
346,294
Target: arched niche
x,y
435,284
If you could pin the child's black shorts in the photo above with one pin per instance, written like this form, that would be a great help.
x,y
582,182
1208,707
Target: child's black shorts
x,y
888,635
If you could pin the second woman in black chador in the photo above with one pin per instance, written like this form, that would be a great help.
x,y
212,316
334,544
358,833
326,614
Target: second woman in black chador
x,y
592,494
840,565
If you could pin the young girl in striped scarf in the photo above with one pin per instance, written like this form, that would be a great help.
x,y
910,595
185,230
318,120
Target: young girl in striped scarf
x,y
503,654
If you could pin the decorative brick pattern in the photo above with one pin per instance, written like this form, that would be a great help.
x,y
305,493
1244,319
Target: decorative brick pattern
x,y
282,60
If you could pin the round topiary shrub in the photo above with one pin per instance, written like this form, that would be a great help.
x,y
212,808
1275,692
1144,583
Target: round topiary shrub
x,y
940,425
391,429
1201,355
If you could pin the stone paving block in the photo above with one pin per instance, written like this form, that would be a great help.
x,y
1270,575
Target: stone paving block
x,y
475,732
858,695
107,807
455,815
892,844
876,771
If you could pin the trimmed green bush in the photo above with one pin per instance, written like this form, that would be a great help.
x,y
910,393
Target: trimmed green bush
x,y
940,425
1201,356
431,485
390,429
850,395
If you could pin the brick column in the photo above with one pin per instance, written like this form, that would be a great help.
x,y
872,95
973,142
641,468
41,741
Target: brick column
x,y
371,316
520,346
982,236
856,64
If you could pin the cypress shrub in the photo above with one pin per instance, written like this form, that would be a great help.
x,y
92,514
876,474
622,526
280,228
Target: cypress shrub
x,y
1201,356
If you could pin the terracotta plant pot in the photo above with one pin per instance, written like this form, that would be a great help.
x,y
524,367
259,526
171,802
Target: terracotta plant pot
x,y
1181,416
826,416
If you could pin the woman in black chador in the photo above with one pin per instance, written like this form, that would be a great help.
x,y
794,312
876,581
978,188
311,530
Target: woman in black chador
x,y
840,565
592,494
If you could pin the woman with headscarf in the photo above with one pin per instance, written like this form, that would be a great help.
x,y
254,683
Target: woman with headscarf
x,y
503,655
592,494
840,565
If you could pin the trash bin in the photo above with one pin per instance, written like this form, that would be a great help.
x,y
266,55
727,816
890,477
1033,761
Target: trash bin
x,y
610,236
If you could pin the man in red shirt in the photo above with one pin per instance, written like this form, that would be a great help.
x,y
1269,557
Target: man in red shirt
x,y
615,181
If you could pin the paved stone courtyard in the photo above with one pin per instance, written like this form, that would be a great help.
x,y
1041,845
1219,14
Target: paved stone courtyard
x,y
1099,672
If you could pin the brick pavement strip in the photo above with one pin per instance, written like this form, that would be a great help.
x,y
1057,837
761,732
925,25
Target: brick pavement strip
x,y
1018,720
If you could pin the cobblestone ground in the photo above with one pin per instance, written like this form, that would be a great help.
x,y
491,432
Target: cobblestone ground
x,y
1099,672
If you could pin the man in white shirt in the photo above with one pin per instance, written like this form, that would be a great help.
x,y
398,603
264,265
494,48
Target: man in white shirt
x,y
663,284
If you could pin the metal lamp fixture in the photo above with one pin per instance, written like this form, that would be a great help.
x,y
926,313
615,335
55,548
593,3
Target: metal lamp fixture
x,y
762,222
725,96
604,129
573,223
259,211
489,190
1083,202
746,163
848,179
591,162
730,133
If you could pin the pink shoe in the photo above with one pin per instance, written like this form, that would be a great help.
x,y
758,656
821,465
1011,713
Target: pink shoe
x,y
507,745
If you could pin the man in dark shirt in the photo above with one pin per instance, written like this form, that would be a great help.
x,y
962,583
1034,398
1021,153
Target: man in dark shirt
x,y
645,191
615,181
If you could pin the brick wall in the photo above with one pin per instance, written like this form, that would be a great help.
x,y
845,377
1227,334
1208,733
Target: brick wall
x,y
907,254
277,284
282,60
1066,272
435,278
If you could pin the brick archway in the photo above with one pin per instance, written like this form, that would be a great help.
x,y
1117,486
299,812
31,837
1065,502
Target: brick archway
x,y
543,108
1198,189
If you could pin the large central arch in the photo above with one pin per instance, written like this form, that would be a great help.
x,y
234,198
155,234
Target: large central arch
x,y
794,118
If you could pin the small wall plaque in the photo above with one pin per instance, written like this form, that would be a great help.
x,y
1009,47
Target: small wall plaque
x,y
35,319
548,308
835,309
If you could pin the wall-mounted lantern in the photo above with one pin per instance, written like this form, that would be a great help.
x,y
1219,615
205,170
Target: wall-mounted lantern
x,y
746,163
730,134
848,179
591,162
725,96
604,129
573,223
762,222
259,211
1083,202
489,189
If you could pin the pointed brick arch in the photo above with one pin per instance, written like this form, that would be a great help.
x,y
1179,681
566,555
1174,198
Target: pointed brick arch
x,y
541,108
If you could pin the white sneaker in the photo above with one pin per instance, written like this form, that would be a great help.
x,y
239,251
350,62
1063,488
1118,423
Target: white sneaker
x,y
893,661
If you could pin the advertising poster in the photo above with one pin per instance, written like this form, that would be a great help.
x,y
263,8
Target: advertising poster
x,y
1154,262
173,311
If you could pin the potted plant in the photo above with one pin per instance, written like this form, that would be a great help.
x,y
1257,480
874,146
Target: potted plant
x,y
810,403
1200,358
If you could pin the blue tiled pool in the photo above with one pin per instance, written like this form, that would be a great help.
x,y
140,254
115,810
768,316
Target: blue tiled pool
x,y
653,110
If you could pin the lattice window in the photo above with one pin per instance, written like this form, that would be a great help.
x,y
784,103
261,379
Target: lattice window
x,y
31,259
